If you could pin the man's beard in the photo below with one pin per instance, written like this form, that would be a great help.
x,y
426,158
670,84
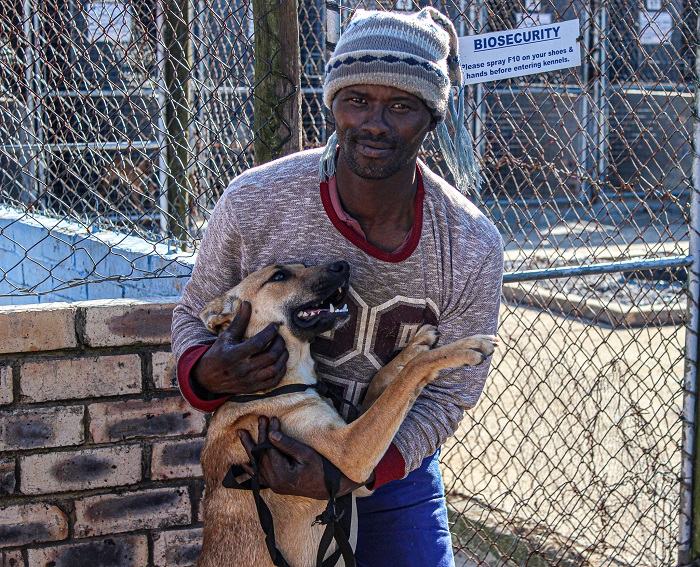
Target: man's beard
x,y
368,168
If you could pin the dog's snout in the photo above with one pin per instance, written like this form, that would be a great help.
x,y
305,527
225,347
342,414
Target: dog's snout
x,y
341,267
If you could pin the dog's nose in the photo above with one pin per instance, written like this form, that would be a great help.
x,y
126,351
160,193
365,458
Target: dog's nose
x,y
341,267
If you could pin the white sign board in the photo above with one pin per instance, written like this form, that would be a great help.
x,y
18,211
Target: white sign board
x,y
655,27
108,21
515,53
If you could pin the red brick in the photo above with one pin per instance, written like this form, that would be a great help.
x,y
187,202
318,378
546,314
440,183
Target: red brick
x,y
159,417
7,478
177,459
11,559
31,523
6,395
80,470
129,551
177,548
32,328
81,377
117,322
41,427
129,511
164,377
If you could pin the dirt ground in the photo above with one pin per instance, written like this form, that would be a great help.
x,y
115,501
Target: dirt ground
x,y
572,455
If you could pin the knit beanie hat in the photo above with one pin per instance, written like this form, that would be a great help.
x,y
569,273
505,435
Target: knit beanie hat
x,y
416,53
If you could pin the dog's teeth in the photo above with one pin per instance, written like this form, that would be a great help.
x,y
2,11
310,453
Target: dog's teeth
x,y
345,307
340,291
332,309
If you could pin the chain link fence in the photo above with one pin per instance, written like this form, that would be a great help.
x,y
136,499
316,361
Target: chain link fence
x,y
121,122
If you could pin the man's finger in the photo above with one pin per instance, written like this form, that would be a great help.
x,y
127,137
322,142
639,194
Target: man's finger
x,y
258,343
269,356
290,447
262,429
236,330
247,442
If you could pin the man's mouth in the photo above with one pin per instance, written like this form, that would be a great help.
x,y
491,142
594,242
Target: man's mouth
x,y
374,148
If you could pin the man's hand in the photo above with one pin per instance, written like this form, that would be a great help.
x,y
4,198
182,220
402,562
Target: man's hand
x,y
292,467
234,366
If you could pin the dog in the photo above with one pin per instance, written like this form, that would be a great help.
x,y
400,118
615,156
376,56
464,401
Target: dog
x,y
302,299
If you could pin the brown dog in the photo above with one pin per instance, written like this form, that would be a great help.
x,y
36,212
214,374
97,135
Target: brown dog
x,y
300,299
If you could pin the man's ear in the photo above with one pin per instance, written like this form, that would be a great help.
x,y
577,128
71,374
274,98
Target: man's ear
x,y
219,312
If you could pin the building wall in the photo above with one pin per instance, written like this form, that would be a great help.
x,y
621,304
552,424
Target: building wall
x,y
47,260
99,454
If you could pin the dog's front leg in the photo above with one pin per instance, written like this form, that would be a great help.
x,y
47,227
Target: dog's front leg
x,y
425,339
356,448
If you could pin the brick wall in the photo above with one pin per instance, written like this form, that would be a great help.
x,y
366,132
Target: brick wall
x,y
99,454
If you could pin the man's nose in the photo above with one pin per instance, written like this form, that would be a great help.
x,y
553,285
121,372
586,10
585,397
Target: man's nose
x,y
376,122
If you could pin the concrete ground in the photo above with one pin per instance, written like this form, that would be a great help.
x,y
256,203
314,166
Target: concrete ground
x,y
572,455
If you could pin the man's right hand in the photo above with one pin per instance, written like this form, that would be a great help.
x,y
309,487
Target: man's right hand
x,y
236,366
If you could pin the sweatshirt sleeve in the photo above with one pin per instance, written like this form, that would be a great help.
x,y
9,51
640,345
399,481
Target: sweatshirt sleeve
x,y
217,269
472,309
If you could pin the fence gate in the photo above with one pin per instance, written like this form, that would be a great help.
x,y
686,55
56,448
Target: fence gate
x,y
124,119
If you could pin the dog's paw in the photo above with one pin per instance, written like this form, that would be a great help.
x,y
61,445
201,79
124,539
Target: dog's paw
x,y
485,344
427,335
470,351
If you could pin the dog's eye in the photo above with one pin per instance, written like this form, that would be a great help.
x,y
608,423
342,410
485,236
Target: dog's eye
x,y
279,276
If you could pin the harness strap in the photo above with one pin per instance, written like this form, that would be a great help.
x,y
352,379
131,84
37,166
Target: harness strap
x,y
334,512
322,389
337,509
288,389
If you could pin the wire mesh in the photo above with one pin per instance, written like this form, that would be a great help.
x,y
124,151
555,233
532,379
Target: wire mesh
x,y
573,455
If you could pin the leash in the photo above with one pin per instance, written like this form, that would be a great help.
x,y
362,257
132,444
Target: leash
x,y
338,513
336,517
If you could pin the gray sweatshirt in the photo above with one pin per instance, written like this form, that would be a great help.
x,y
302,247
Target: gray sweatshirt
x,y
449,274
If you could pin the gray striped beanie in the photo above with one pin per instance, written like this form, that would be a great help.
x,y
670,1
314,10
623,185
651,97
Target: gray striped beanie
x,y
416,53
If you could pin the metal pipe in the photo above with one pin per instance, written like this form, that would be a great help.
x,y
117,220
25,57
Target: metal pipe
x,y
585,147
332,24
28,131
606,268
688,528
162,146
130,145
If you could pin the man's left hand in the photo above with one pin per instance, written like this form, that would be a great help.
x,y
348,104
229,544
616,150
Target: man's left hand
x,y
291,467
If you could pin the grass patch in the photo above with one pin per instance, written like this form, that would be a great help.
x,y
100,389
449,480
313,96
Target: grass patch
x,y
489,544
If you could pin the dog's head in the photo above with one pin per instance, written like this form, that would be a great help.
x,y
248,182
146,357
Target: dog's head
x,y
305,301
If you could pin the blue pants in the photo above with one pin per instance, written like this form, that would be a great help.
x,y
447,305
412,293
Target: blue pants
x,y
404,523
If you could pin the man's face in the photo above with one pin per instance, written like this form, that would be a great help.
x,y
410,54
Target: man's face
x,y
380,129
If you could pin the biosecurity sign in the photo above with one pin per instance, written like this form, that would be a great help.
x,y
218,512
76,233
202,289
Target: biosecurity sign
x,y
523,51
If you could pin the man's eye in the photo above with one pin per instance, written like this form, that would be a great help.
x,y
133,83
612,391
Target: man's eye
x,y
278,277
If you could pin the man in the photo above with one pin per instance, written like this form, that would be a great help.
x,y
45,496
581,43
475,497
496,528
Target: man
x,y
419,252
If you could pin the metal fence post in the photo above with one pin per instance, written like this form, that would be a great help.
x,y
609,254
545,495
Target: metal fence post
x,y
277,110
178,115
689,529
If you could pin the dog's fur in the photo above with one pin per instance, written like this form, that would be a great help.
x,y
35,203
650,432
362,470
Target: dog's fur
x,y
232,533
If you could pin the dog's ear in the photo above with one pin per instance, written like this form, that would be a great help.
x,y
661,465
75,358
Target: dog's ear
x,y
219,312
